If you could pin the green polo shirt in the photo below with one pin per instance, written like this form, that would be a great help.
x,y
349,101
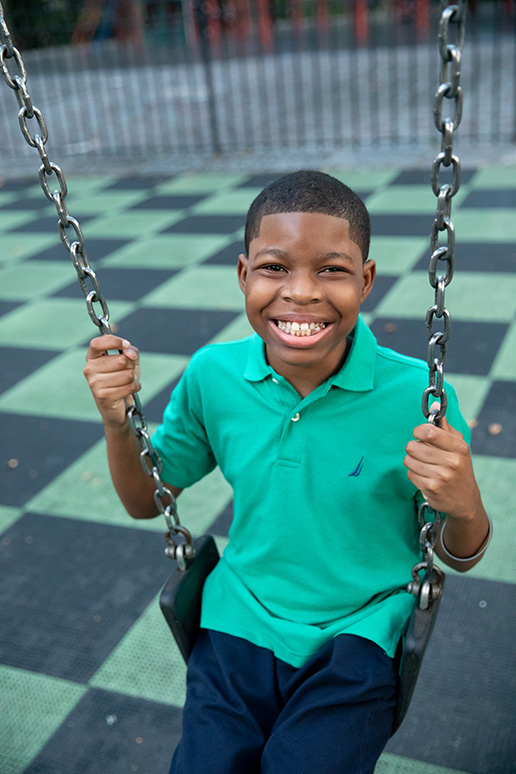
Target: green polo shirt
x,y
325,529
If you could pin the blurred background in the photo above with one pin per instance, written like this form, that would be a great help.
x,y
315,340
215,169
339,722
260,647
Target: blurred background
x,y
163,80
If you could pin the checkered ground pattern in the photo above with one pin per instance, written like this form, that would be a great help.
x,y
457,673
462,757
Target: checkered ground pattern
x,y
91,681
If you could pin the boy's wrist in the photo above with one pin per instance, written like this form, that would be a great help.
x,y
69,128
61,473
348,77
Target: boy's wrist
x,y
479,551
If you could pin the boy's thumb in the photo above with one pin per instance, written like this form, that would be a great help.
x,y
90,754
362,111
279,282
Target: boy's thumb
x,y
443,422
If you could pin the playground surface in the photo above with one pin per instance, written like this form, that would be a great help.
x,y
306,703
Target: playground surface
x,y
91,681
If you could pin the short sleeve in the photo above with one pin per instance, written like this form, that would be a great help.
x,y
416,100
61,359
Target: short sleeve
x,y
181,439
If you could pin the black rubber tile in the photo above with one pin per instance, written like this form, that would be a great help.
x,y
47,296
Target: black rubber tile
x,y
173,331
71,589
46,225
39,448
168,202
17,185
140,182
122,283
33,203
505,197
381,286
153,409
495,433
228,256
111,733
223,521
423,176
206,224
402,225
467,683
16,364
471,350
477,256
6,307
96,249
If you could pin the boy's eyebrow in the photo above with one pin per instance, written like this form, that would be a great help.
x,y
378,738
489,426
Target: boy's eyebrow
x,y
278,253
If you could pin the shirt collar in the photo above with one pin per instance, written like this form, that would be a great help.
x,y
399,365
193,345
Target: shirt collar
x,y
357,373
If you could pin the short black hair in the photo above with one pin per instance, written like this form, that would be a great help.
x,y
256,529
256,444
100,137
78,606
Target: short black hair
x,y
311,191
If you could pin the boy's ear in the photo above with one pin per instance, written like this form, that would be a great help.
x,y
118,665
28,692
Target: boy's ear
x,y
243,263
368,275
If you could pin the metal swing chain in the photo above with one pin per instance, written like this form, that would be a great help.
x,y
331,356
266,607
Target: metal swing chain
x,y
449,88
89,283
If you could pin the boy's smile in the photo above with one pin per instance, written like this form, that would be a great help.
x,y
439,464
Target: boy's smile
x,y
304,281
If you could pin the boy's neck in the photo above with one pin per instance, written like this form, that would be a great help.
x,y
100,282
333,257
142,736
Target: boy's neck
x,y
306,380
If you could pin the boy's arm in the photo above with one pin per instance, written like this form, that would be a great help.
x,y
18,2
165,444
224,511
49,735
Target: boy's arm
x,y
112,378
439,464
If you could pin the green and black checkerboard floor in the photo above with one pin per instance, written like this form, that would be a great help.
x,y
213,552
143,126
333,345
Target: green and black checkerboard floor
x,y
91,680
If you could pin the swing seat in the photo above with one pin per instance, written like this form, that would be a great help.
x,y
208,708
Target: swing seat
x,y
417,637
181,596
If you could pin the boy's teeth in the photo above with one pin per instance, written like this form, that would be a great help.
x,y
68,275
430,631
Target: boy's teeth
x,y
300,329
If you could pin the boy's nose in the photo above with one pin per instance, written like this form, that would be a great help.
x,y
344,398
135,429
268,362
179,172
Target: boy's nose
x,y
302,289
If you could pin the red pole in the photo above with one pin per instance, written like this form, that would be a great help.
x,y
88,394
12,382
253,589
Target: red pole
x,y
422,18
264,24
361,21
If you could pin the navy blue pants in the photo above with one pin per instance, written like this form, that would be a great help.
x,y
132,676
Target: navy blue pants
x,y
247,712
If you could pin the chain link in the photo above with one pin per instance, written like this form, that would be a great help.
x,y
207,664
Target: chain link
x,y
452,16
75,244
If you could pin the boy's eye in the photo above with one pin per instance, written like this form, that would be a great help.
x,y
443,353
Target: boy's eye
x,y
273,267
334,269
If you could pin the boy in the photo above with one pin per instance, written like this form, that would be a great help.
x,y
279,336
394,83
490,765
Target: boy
x,y
309,422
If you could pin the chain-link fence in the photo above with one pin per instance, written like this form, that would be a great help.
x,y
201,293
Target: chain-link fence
x,y
150,78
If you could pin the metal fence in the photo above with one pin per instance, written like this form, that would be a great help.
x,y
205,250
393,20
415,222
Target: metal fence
x,y
158,78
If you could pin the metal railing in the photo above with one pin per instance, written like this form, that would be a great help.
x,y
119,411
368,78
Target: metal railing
x,y
160,78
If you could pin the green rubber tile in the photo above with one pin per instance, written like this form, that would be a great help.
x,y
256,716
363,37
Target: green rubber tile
x,y
504,366
403,199
397,255
57,323
66,392
167,251
495,177
206,287
103,202
495,477
147,662
16,247
190,183
32,707
471,391
127,225
33,279
485,225
397,764
229,203
237,329
364,179
8,515
6,197
469,297
84,491
13,219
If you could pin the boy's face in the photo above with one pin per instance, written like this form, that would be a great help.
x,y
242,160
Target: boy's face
x,y
304,281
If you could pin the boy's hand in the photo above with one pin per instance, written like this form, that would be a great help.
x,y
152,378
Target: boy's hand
x,y
112,377
439,464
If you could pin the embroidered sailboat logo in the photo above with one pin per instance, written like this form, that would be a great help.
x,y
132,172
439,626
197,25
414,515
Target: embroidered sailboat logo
x,y
358,469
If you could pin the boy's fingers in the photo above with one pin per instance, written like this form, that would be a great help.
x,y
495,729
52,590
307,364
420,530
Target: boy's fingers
x,y
102,345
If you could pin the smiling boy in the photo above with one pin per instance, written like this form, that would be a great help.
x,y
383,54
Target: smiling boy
x,y
310,422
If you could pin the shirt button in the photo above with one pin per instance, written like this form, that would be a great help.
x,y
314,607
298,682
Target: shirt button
x,y
275,380
296,418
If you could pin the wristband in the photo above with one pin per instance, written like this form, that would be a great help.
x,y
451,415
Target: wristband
x,y
479,553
